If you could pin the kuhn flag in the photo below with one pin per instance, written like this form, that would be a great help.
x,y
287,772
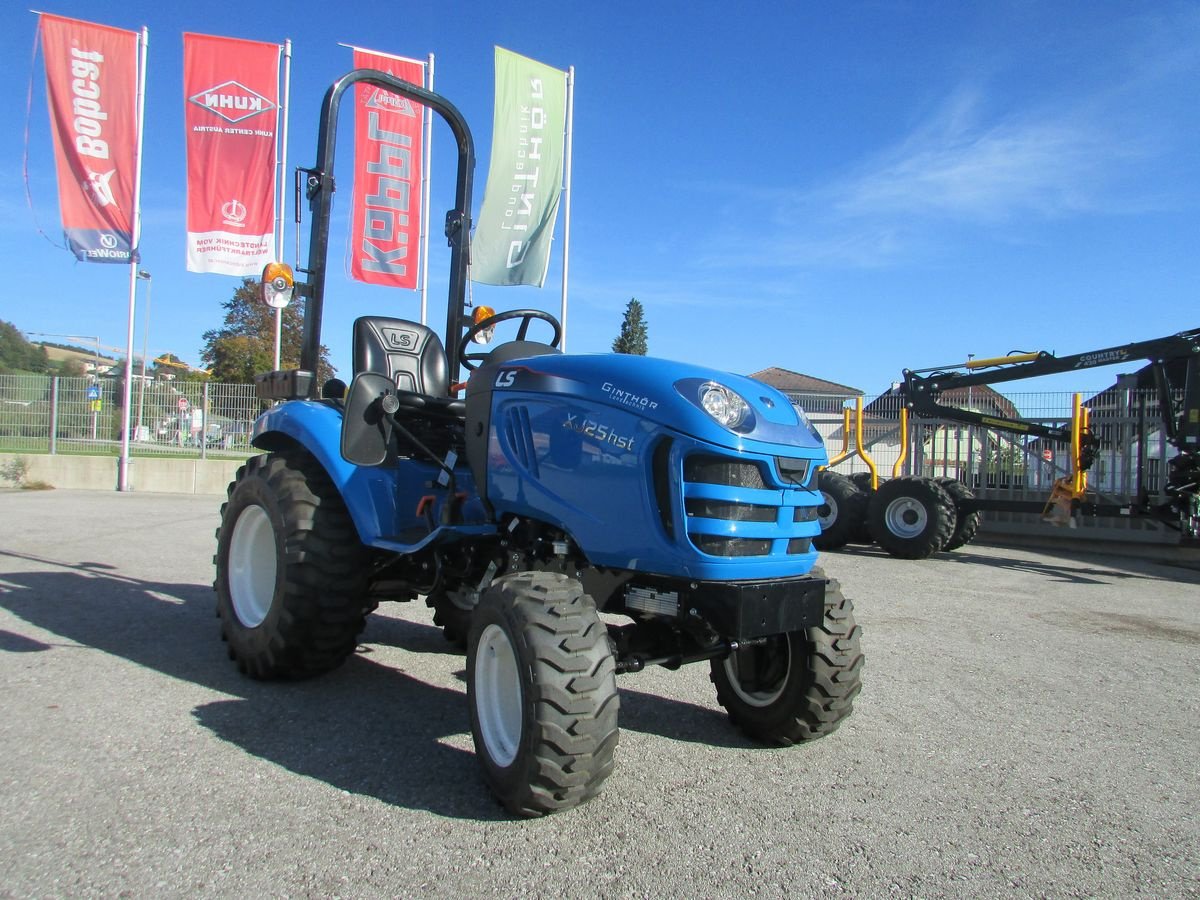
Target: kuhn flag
x,y
91,86
231,101
516,223
386,223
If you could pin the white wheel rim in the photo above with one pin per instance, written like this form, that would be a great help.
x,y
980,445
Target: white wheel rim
x,y
252,566
830,517
498,699
906,518
760,698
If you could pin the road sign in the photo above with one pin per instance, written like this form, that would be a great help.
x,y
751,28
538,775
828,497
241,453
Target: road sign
x,y
93,392
182,403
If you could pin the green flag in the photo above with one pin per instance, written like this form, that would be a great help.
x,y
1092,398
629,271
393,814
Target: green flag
x,y
516,222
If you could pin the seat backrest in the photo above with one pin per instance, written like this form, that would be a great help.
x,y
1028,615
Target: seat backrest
x,y
408,353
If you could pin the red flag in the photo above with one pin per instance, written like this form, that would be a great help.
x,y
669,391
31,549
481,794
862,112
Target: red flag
x,y
91,85
231,92
386,223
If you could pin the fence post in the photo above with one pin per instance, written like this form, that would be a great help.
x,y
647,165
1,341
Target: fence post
x,y
53,414
204,423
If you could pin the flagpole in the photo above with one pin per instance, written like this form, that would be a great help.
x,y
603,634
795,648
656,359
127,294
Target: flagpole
x,y
567,202
281,122
135,240
428,151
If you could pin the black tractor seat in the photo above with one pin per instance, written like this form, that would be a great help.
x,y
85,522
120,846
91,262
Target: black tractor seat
x,y
412,356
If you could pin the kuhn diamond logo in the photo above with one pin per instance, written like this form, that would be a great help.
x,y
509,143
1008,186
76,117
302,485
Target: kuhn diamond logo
x,y
232,101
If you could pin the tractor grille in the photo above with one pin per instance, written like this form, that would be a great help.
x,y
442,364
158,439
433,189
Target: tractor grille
x,y
520,437
736,508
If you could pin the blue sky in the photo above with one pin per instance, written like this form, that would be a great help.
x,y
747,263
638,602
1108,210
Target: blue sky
x,y
844,190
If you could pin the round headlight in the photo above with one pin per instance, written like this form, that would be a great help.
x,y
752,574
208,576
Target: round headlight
x,y
725,406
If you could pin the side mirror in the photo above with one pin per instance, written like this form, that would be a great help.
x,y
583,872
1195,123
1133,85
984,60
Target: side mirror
x,y
278,285
366,436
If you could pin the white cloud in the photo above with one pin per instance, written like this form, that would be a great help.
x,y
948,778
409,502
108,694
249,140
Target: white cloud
x,y
961,167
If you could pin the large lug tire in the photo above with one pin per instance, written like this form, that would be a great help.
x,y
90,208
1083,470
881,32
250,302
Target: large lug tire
x,y
291,579
841,511
911,517
798,686
966,524
541,685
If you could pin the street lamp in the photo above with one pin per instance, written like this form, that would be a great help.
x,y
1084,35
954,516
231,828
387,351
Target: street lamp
x,y
145,276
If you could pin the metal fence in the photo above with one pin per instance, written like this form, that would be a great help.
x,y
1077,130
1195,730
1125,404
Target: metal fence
x,y
42,414
1133,447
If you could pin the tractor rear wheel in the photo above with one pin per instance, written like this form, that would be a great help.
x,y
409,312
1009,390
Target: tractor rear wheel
x,y
966,524
911,517
841,511
542,689
451,613
798,686
291,579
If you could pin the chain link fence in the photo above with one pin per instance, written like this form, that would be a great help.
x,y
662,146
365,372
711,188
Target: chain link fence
x,y
42,414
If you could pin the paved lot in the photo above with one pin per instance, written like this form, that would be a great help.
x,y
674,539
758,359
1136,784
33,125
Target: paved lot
x,y
1028,727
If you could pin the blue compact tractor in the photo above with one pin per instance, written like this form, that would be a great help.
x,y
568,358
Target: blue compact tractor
x,y
679,502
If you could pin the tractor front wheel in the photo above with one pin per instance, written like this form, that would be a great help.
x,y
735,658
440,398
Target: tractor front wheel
x,y
797,686
291,579
541,685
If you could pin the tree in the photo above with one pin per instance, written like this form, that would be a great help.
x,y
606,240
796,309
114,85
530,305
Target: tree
x,y
245,346
19,355
632,338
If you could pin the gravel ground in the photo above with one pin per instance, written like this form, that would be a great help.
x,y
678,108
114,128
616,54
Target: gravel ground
x,y
1027,727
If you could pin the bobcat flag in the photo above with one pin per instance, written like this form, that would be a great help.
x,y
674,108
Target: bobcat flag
x,y
385,229
516,222
91,86
231,103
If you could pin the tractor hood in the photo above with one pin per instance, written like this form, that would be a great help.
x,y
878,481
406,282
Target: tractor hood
x,y
663,392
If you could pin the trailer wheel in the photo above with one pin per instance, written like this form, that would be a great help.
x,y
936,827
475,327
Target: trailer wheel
x,y
291,579
798,686
966,524
862,531
841,512
542,689
911,517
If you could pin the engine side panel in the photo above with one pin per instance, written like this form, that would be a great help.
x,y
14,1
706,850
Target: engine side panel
x,y
632,495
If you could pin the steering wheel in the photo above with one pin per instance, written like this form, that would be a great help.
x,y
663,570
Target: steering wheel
x,y
471,361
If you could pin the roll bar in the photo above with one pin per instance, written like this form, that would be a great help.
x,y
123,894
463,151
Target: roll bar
x,y
319,188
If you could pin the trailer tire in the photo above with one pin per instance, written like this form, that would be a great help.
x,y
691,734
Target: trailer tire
x,y
841,512
291,579
804,682
966,524
911,517
862,531
542,690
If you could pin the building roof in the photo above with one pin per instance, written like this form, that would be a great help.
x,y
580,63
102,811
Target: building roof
x,y
787,380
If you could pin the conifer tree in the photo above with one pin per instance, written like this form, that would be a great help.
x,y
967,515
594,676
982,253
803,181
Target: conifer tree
x,y
632,338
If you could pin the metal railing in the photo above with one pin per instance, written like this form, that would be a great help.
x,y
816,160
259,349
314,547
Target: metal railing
x,y
44,414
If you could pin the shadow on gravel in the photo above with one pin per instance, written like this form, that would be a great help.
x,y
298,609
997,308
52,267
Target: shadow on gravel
x,y
1079,568
364,728
678,721
1080,572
